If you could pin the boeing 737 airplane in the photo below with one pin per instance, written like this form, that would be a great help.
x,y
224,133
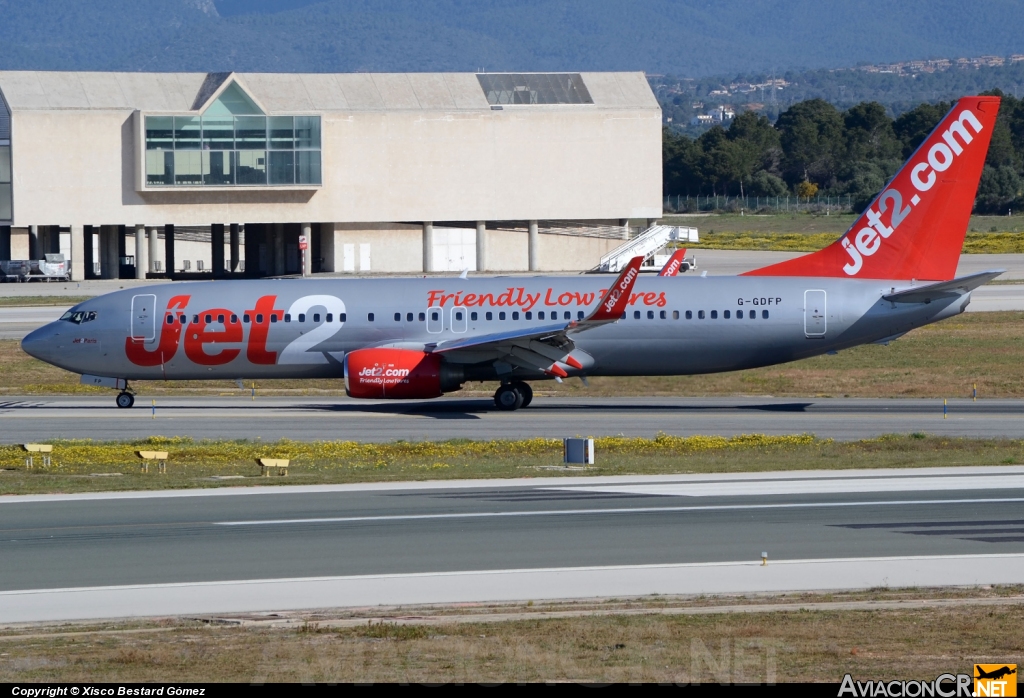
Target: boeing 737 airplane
x,y
419,338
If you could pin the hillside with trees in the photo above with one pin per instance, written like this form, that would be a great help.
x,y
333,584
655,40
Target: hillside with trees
x,y
814,148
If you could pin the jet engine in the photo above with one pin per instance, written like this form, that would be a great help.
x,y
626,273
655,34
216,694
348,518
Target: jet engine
x,y
398,374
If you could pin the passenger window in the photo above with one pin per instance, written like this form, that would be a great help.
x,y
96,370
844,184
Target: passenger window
x,y
664,315
330,317
675,314
398,317
234,319
568,315
369,317
408,317
316,317
579,315
287,317
220,319
753,314
423,317
650,314
700,314
473,315
764,314
209,319
636,314
490,315
689,314
170,319
501,315
273,317
434,315
458,315
714,314
515,314
245,318
739,314
302,317
182,319
259,318
529,315
540,315
343,317
195,319
726,315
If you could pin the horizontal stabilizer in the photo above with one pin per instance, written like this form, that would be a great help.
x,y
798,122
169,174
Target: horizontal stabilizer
x,y
943,289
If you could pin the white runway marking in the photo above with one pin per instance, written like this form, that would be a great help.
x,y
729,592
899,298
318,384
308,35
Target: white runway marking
x,y
584,512
851,485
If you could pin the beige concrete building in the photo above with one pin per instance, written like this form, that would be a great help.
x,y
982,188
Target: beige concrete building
x,y
268,174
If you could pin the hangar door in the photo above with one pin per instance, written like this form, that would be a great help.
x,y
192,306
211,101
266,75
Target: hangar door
x,y
454,249
814,313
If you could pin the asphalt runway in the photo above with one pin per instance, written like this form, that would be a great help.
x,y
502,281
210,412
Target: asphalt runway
x,y
31,419
265,548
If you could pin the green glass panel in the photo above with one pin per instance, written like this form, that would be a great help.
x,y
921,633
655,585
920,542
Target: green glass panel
x,y
282,133
218,133
188,167
232,102
5,164
159,167
282,167
5,202
251,167
251,133
217,168
307,132
159,133
187,133
307,167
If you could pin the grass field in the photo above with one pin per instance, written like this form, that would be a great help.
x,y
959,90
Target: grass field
x,y
84,466
805,637
941,360
61,301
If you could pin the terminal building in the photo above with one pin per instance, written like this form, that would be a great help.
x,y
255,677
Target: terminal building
x,y
135,175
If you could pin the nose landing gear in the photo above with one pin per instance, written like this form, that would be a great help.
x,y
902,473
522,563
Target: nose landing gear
x,y
512,396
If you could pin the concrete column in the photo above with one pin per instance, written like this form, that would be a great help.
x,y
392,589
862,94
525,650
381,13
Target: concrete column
x,y
279,249
307,254
154,249
327,247
217,249
33,243
77,261
428,246
235,256
141,252
533,245
169,249
481,246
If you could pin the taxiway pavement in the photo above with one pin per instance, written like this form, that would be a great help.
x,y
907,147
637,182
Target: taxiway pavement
x,y
102,555
30,419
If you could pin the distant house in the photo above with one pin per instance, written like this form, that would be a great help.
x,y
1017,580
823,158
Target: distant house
x,y
702,120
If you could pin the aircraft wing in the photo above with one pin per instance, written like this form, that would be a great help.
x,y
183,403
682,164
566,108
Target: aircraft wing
x,y
942,289
544,348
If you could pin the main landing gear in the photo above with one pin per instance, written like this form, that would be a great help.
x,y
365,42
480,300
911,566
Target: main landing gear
x,y
512,396
125,398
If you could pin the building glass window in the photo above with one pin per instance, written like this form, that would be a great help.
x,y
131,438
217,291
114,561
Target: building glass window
x,y
6,210
534,88
232,150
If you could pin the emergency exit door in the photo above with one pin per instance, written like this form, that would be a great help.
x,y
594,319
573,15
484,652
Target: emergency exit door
x,y
814,313
143,318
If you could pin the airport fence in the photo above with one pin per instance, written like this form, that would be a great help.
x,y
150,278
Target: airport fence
x,y
758,204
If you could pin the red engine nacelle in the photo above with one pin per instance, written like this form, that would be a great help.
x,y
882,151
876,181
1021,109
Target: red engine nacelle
x,y
392,373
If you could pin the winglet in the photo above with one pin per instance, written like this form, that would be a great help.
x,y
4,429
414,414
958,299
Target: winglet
x,y
615,301
674,263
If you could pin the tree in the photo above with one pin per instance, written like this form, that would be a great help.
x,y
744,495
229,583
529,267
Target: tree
x,y
997,189
811,134
679,164
764,183
721,163
915,125
869,133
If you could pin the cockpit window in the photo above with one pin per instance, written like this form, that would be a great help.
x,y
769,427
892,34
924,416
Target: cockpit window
x,y
79,316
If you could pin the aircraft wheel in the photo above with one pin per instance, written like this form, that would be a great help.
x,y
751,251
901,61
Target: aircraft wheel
x,y
508,398
125,400
526,391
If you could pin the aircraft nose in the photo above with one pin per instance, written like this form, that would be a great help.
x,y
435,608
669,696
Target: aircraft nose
x,y
39,342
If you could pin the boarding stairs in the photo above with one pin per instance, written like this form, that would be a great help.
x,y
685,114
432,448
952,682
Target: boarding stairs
x,y
644,245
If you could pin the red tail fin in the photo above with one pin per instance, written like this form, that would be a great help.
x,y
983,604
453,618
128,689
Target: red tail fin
x,y
915,228
674,263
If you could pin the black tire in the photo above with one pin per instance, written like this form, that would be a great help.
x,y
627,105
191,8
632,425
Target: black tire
x,y
508,399
526,391
125,400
